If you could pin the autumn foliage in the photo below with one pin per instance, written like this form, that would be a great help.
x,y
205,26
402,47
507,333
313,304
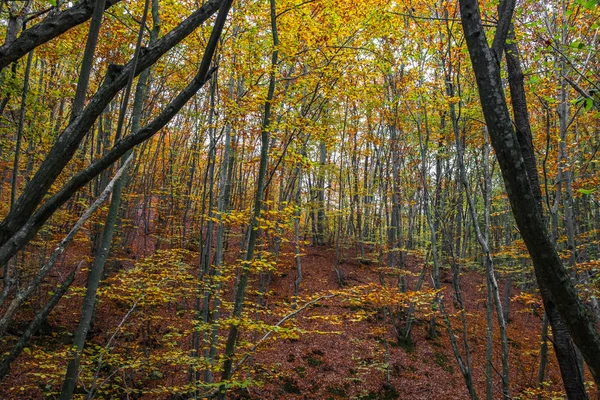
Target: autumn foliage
x,y
321,216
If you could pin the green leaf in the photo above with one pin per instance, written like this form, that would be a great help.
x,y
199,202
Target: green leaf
x,y
589,103
589,4
586,191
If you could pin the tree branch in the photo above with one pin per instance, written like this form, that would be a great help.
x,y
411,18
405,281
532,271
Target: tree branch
x,y
505,14
47,30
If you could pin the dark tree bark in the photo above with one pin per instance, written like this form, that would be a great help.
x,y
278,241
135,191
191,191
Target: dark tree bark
x,y
566,353
47,30
548,267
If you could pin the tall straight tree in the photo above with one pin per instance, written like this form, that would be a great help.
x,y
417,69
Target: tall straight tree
x,y
240,293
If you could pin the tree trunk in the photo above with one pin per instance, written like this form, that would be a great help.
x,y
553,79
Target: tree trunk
x,y
548,267
258,200
564,348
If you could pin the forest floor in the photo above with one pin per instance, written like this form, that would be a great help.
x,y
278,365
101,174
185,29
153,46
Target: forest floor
x,y
353,362
347,351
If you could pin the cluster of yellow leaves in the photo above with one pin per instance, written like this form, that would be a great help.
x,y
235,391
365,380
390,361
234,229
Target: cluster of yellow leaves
x,y
161,278
532,301
368,298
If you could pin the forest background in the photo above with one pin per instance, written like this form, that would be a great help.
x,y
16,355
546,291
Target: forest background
x,y
299,199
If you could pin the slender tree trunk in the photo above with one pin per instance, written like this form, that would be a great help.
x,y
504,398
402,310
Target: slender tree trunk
x,y
543,355
88,58
204,296
12,264
297,243
253,228
20,128
489,348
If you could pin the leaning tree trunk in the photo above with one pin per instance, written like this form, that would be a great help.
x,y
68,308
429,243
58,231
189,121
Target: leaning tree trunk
x,y
548,267
565,350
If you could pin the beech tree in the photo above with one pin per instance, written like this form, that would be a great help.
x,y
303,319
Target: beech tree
x,y
550,272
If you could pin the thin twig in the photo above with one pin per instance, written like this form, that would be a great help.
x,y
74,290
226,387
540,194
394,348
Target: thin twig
x,y
266,335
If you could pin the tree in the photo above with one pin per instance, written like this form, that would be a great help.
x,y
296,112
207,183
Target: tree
x,y
549,270
54,25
